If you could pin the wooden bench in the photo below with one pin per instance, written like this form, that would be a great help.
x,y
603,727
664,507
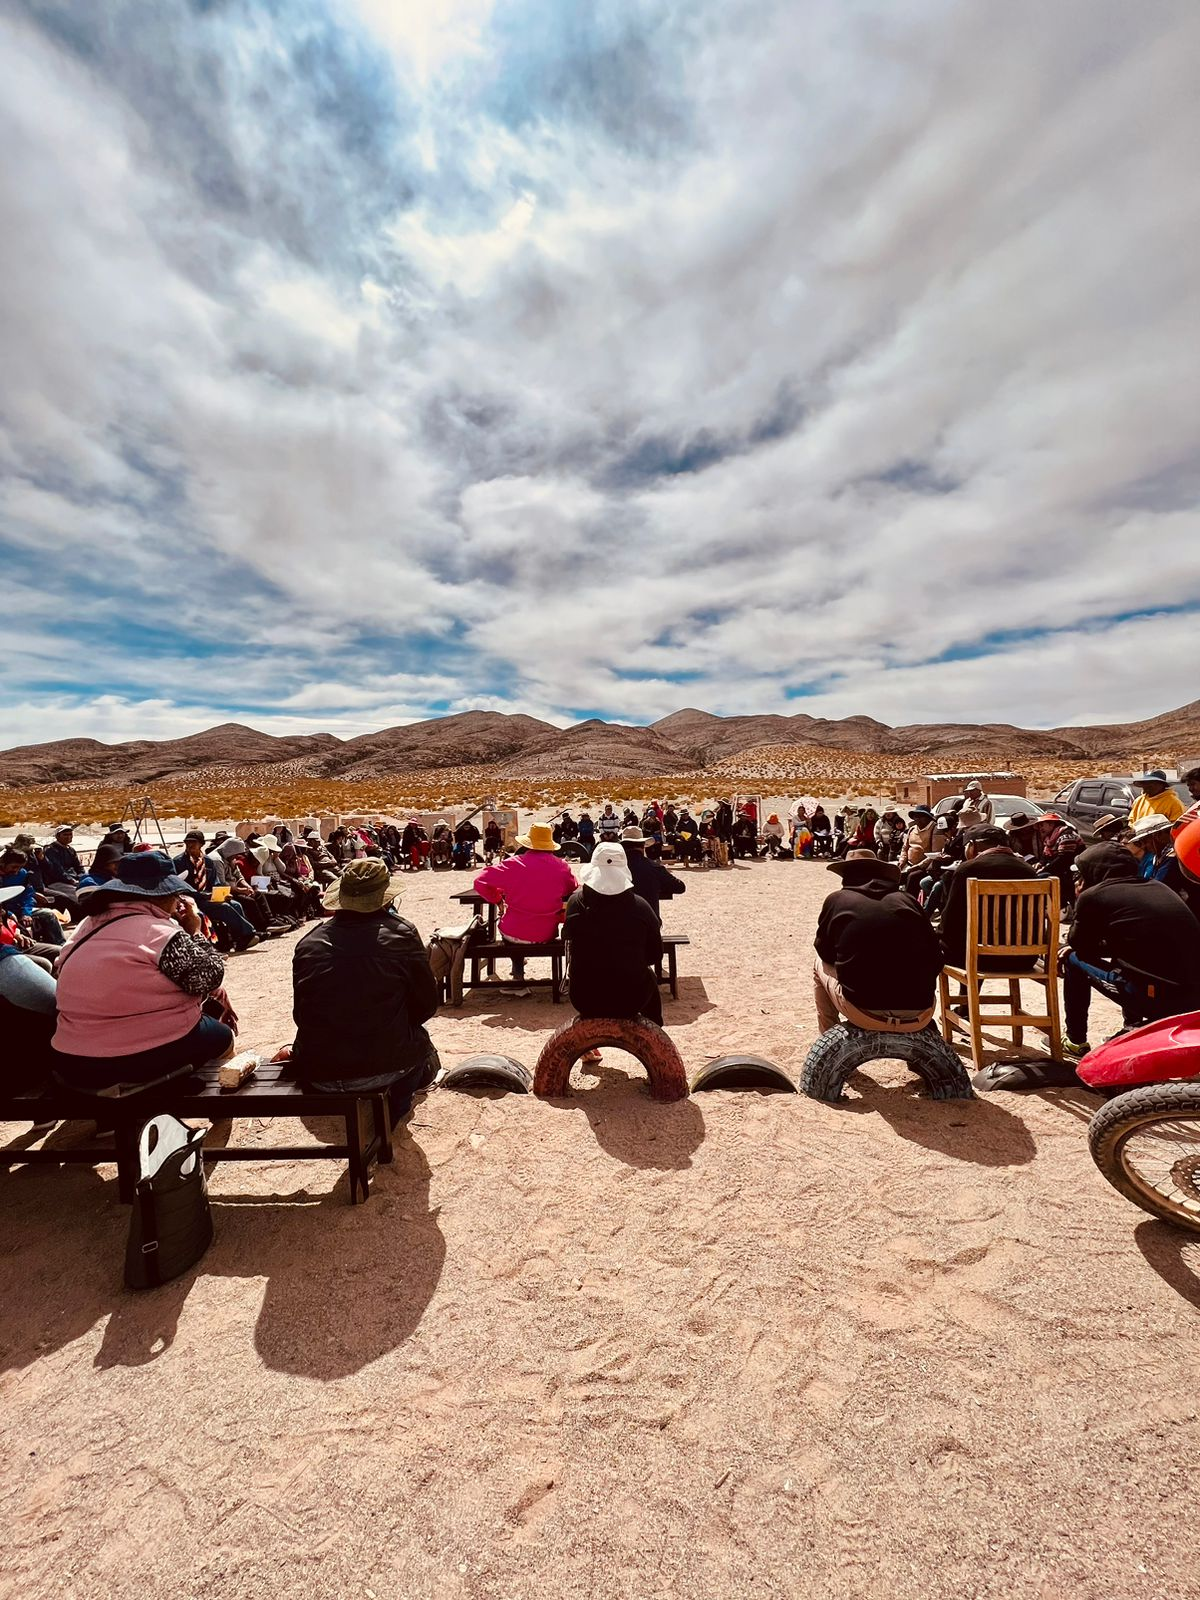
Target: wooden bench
x,y
486,952
367,1117
672,943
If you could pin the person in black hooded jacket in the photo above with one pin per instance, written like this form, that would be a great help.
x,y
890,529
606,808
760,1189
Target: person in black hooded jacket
x,y
987,853
614,940
1133,939
878,957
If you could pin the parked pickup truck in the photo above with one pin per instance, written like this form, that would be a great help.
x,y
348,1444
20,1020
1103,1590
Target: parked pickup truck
x,y
1086,800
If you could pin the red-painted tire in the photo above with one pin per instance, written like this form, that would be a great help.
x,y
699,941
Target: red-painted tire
x,y
642,1038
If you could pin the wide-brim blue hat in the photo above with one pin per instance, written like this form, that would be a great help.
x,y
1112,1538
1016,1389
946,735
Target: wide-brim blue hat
x,y
148,876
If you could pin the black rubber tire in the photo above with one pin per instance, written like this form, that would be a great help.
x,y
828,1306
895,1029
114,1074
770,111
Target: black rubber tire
x,y
1129,1113
490,1071
845,1048
741,1072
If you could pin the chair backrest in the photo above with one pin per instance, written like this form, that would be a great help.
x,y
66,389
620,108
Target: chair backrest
x,y
1017,917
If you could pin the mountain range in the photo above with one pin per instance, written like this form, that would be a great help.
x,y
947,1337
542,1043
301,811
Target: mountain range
x,y
521,746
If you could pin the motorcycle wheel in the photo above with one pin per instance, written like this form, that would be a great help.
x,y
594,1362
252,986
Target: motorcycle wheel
x,y
1147,1144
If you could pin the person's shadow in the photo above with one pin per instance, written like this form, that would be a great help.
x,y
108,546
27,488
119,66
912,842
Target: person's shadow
x,y
345,1284
976,1130
692,1003
632,1127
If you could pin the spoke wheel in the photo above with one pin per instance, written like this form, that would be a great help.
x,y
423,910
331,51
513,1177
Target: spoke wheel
x,y
1147,1144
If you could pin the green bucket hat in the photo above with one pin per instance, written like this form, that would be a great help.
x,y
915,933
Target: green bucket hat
x,y
365,885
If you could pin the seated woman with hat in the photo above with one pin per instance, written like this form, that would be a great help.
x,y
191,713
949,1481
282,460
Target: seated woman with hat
x,y
615,942
134,983
531,886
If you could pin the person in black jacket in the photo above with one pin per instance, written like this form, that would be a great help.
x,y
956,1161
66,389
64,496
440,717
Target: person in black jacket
x,y
362,988
878,957
62,863
614,941
466,837
1134,940
986,854
651,880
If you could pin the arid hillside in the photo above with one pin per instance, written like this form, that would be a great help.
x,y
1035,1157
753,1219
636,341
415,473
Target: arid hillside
x,y
479,753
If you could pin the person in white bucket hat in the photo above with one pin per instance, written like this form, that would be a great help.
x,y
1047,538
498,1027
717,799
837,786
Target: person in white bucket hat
x,y
615,943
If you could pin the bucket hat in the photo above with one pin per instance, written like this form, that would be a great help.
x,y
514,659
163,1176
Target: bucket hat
x,y
608,871
633,836
365,885
148,875
1155,775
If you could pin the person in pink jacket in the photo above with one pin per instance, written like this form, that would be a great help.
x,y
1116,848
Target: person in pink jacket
x,y
531,886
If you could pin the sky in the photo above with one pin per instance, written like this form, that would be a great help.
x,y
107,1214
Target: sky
x,y
370,361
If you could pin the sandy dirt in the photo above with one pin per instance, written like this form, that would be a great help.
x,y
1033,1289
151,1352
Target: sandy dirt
x,y
741,1345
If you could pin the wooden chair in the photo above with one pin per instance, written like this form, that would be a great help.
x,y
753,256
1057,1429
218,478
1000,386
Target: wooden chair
x,y
1017,918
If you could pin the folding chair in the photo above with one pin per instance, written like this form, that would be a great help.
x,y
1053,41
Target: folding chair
x,y
1006,919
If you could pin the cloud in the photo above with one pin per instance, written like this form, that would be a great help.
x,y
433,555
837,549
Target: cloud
x,y
760,356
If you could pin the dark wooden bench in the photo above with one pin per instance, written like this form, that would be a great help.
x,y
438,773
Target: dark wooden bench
x,y
671,946
486,952
367,1118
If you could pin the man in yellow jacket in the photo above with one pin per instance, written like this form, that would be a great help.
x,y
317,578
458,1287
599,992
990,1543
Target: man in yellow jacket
x,y
1157,797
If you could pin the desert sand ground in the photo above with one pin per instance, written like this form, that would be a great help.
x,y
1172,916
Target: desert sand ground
x,y
744,1345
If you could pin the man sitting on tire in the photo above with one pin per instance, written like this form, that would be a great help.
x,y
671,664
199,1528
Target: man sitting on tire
x,y
878,957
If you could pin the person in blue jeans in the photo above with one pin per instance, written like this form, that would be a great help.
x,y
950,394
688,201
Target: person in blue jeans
x,y
27,1000
206,872
1132,939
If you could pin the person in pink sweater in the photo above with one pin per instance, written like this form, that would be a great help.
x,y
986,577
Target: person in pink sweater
x,y
532,887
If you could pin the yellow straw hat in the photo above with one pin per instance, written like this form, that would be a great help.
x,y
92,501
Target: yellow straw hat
x,y
539,837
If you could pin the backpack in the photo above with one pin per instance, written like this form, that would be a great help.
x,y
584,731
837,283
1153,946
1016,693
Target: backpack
x,y
447,951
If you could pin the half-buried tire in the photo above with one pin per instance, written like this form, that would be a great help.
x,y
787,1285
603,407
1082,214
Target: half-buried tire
x,y
643,1039
487,1072
742,1072
845,1048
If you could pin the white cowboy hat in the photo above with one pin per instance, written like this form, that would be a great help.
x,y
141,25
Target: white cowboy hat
x,y
1144,827
608,871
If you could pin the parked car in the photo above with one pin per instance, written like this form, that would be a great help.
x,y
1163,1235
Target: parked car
x,y
1003,805
1086,800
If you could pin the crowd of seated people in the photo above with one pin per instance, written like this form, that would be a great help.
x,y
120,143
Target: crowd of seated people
x,y
136,997
124,983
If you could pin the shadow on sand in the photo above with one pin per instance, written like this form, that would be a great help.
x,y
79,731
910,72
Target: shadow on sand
x,y
344,1284
976,1130
632,1127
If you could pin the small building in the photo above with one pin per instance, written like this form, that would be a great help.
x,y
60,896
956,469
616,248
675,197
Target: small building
x,y
935,786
